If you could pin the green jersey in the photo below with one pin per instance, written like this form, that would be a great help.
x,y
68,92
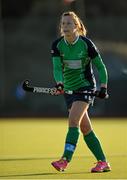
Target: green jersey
x,y
72,63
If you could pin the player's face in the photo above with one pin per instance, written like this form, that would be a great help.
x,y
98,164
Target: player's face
x,y
68,26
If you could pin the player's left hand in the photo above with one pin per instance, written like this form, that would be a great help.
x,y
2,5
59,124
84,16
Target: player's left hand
x,y
103,93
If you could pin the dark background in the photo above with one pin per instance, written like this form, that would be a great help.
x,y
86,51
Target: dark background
x,y
27,29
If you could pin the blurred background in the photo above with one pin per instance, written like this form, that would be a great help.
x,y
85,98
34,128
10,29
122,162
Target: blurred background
x,y
27,29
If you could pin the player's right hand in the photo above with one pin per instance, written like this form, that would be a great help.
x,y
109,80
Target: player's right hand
x,y
59,89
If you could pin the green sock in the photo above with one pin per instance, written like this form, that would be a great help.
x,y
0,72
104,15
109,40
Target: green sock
x,y
95,146
70,143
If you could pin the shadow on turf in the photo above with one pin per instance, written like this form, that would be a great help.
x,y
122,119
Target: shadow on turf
x,y
36,174
35,158
22,159
44,174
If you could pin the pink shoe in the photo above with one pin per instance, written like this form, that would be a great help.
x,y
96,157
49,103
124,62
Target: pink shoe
x,y
60,165
101,166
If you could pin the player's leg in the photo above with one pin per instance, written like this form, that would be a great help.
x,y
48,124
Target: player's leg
x,y
91,139
85,124
76,113
94,145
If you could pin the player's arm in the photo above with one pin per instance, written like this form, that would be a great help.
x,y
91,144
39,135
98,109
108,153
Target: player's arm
x,y
57,64
57,67
93,53
98,62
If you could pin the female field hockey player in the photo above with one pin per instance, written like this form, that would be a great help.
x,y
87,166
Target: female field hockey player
x,y
73,55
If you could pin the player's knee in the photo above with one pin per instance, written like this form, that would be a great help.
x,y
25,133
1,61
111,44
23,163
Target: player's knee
x,y
73,122
85,129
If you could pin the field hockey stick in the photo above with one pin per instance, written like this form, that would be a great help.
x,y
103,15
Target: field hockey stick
x,y
26,86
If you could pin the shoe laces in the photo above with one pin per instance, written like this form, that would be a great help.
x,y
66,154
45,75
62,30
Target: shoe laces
x,y
98,164
61,161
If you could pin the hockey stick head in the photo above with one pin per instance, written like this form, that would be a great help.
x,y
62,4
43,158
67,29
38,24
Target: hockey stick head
x,y
25,84
26,87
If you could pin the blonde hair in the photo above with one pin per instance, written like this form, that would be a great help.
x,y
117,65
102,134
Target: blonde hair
x,y
81,28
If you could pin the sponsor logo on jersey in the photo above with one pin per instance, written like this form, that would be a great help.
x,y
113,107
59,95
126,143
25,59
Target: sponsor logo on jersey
x,y
73,64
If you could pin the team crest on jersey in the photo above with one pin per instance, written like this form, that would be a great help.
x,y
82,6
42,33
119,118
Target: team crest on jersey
x,y
80,54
